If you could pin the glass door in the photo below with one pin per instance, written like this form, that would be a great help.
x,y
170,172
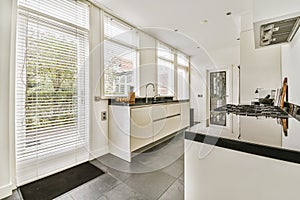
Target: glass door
x,y
217,82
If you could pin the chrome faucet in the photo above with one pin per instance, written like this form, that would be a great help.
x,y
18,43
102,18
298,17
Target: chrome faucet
x,y
154,98
147,91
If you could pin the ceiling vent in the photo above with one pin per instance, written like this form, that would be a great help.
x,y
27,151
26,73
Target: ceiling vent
x,y
279,32
274,32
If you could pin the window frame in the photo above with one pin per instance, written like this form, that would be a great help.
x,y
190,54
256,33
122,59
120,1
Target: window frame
x,y
135,75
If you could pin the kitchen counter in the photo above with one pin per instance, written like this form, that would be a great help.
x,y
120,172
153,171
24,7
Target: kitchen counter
x,y
141,103
266,137
252,157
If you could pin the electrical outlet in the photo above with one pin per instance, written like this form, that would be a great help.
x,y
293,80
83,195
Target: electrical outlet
x,y
103,116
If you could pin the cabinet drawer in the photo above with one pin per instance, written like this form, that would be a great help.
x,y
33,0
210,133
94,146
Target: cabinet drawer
x,y
165,127
172,109
159,112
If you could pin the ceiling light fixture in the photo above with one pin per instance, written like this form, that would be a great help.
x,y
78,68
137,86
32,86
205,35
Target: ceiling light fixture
x,y
204,21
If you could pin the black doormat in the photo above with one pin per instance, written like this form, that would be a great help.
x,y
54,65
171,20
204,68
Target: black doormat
x,y
60,183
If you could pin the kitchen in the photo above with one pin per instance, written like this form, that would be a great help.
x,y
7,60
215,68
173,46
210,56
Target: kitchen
x,y
259,68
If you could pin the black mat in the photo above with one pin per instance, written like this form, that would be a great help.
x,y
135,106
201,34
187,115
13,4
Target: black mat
x,y
60,183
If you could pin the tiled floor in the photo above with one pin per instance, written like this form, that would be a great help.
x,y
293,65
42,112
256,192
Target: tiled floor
x,y
156,174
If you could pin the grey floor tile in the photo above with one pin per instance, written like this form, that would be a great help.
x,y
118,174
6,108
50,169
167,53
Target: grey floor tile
x,y
162,157
121,175
181,177
100,165
161,162
15,196
66,196
95,188
123,192
182,157
154,161
175,169
116,163
150,184
175,192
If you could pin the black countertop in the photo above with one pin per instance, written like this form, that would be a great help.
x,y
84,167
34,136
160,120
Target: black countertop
x,y
261,136
142,101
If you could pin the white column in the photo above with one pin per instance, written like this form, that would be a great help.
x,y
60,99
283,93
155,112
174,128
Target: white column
x,y
5,38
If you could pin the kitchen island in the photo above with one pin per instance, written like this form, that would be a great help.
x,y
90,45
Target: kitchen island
x,y
259,161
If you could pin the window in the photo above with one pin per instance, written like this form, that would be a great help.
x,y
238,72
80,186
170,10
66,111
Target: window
x,y
165,70
120,57
182,76
52,106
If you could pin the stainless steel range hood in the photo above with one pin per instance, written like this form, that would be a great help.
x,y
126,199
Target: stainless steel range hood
x,y
276,31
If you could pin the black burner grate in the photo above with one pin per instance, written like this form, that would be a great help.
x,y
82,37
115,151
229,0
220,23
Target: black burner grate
x,y
254,110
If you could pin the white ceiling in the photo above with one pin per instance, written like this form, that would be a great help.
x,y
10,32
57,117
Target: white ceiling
x,y
162,17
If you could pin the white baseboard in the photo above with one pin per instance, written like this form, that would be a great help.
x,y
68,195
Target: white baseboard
x,y
5,190
99,152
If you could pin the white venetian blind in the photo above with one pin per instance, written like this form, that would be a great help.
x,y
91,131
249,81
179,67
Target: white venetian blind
x,y
51,87
120,57
165,70
182,76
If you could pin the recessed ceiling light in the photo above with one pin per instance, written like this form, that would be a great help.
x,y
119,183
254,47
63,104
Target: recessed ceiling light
x,y
228,13
204,21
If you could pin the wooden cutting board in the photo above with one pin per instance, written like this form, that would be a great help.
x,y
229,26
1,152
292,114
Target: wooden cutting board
x,y
283,93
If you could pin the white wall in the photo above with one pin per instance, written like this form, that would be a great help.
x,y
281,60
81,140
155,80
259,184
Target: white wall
x,y
260,68
291,68
98,128
198,88
226,57
5,38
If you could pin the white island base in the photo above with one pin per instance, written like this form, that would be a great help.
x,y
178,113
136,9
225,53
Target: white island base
x,y
226,174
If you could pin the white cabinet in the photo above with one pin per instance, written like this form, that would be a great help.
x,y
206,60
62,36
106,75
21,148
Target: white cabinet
x,y
141,132
131,128
165,127
168,122
119,132
159,112
172,109
184,114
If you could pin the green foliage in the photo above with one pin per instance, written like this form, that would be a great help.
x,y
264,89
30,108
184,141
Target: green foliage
x,y
51,81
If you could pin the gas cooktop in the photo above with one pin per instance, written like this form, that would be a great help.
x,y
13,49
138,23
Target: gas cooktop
x,y
254,110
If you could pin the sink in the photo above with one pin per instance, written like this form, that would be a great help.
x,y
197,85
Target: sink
x,y
155,102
